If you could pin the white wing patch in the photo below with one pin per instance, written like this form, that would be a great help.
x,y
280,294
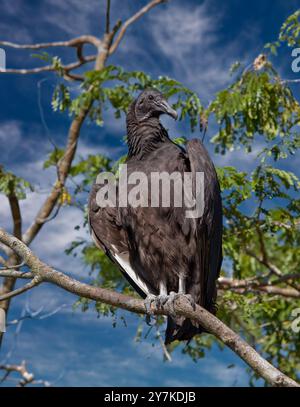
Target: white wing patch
x,y
123,260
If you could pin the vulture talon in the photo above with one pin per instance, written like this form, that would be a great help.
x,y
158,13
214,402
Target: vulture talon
x,y
171,300
149,300
155,302
190,300
172,297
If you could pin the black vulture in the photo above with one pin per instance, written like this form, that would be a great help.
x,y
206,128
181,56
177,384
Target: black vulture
x,y
158,248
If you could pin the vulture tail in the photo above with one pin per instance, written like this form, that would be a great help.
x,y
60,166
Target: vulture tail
x,y
181,329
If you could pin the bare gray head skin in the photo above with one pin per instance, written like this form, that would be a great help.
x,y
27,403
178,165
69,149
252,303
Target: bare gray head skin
x,y
151,103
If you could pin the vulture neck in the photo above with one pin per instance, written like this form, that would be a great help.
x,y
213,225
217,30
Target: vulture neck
x,y
144,136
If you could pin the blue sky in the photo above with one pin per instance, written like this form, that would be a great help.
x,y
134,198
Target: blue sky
x,y
193,41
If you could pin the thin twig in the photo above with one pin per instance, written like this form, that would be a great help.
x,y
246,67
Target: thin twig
x,y
33,283
132,20
107,26
56,212
16,274
12,267
162,343
52,68
74,42
26,376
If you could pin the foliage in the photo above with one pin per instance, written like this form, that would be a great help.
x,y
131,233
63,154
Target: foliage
x,y
10,184
113,86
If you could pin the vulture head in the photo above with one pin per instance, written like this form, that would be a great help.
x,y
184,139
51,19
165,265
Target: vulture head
x,y
151,103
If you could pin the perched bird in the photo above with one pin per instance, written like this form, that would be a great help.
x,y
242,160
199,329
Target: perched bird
x,y
158,249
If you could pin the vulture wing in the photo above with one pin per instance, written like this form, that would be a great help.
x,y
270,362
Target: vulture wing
x,y
109,235
209,226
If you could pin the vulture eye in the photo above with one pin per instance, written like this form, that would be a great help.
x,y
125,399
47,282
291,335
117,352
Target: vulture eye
x,y
151,97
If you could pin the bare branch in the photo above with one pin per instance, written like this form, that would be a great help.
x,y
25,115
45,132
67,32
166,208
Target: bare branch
x,y
245,285
2,260
107,26
5,249
16,274
272,268
182,307
132,20
52,68
12,267
162,344
74,42
16,214
56,212
33,283
26,376
78,43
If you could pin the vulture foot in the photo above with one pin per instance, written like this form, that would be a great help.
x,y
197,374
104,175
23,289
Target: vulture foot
x,y
154,302
173,297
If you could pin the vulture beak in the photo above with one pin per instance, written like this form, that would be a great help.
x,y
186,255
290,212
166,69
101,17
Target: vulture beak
x,y
166,108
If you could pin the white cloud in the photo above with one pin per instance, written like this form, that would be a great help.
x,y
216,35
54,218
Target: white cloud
x,y
10,136
189,36
72,16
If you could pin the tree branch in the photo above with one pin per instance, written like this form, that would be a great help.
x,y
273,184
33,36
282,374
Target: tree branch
x,y
74,42
12,262
132,20
78,43
264,260
52,68
16,274
27,377
107,25
182,307
245,285
16,214
5,249
33,283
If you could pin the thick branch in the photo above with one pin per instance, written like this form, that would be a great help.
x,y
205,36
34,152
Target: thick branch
x,y
182,307
132,20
